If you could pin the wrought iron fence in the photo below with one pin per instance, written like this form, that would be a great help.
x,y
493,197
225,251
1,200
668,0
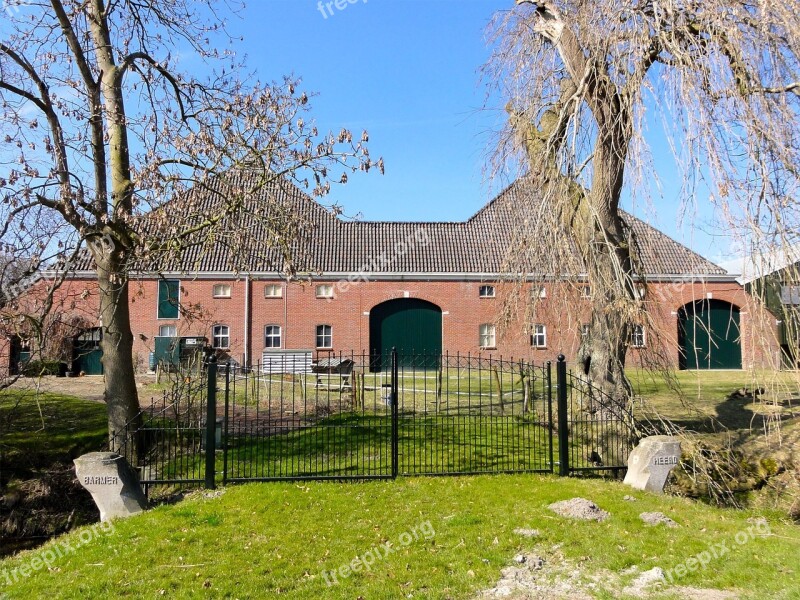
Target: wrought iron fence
x,y
347,417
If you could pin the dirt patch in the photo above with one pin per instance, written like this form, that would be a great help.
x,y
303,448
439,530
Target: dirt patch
x,y
547,575
657,518
89,387
34,510
579,508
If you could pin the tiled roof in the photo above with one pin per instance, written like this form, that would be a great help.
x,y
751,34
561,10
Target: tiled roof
x,y
326,244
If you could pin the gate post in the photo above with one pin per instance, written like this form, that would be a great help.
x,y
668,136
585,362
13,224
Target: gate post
x,y
394,396
550,424
563,418
211,422
225,424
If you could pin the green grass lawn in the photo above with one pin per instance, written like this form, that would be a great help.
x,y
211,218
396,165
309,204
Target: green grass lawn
x,y
277,540
704,394
37,430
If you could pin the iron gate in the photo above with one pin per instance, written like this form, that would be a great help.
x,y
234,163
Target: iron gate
x,y
343,418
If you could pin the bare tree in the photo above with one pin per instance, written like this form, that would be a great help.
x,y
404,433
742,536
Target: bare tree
x,y
584,79
102,126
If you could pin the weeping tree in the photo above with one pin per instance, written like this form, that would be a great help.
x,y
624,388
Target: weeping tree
x,y
103,125
585,83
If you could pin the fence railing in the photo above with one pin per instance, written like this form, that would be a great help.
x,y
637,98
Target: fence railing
x,y
348,417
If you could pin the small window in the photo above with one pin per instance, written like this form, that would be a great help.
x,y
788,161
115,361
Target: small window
x,y
790,295
325,291
272,336
637,336
324,336
222,290
487,336
585,330
539,292
220,337
486,291
273,290
168,298
586,291
642,291
539,336
169,331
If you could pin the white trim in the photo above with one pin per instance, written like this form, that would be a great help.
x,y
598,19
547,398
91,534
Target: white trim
x,y
334,276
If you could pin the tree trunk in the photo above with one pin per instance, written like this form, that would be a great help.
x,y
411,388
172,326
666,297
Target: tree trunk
x,y
121,397
604,241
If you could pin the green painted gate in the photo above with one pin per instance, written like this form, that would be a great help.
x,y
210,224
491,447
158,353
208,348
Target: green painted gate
x,y
709,335
87,355
411,325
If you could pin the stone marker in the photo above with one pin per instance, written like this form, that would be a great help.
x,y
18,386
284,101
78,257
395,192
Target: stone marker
x,y
112,484
651,461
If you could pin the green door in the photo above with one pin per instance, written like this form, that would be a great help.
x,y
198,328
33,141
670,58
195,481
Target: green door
x,y
709,335
412,326
87,356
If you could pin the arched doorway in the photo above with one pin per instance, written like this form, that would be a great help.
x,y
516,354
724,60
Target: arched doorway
x,y
709,335
411,325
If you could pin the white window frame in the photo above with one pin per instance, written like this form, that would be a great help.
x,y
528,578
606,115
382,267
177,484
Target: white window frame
x,y
585,327
273,290
638,337
221,290
486,291
174,329
586,291
539,291
273,335
323,335
487,335
539,336
217,334
324,290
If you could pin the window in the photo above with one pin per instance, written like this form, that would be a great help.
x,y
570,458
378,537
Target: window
x,y
539,336
272,336
273,290
486,291
169,331
487,336
790,295
222,290
585,330
642,291
220,336
168,298
539,292
586,291
324,336
325,291
637,336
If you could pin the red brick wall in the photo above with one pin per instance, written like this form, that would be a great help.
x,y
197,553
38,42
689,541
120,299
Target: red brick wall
x,y
299,311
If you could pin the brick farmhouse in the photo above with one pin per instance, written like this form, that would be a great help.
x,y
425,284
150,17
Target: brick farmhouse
x,y
422,287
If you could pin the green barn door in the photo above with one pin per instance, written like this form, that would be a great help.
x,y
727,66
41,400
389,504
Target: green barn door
x,y
412,326
709,335
87,355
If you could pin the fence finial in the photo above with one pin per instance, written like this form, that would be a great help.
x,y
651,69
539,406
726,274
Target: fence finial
x,y
561,358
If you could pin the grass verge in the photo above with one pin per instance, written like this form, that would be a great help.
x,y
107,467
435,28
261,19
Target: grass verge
x,y
269,540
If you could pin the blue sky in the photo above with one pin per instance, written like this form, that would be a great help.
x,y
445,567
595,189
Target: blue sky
x,y
408,72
